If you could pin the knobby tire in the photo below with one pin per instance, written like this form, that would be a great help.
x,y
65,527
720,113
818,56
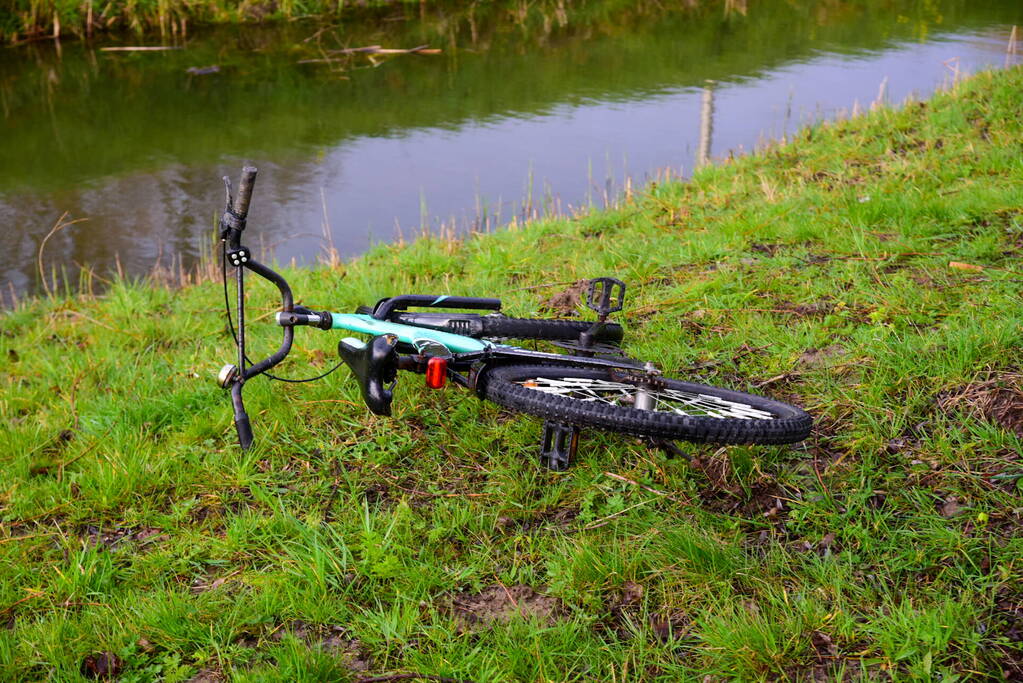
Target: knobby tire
x,y
503,385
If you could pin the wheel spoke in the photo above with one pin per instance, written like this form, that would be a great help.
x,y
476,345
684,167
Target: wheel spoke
x,y
683,403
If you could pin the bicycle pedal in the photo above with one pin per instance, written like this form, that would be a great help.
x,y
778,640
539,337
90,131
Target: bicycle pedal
x,y
559,445
605,295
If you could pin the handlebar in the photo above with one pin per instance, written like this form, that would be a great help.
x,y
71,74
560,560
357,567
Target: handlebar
x,y
385,307
232,224
245,187
287,304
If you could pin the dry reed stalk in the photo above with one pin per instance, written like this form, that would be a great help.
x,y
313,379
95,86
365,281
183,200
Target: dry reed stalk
x,y
882,94
333,258
953,66
58,226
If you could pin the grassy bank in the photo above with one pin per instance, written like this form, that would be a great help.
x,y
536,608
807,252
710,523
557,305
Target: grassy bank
x,y
172,19
866,270
37,18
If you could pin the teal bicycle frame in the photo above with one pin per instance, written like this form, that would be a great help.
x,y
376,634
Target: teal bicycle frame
x,y
414,336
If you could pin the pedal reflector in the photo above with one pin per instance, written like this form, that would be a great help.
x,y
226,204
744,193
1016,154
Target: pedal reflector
x,y
436,372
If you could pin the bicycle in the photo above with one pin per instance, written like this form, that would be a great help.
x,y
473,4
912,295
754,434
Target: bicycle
x,y
594,385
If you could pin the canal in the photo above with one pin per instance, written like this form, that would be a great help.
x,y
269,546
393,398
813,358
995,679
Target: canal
x,y
514,110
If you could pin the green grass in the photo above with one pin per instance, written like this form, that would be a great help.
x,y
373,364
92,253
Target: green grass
x,y
346,545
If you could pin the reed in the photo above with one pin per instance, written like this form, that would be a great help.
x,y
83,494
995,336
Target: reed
x,y
26,20
33,19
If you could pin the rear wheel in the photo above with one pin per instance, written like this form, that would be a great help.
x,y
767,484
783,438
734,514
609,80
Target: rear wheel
x,y
643,404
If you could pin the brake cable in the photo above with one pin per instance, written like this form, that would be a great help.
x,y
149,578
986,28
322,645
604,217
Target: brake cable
x,y
234,335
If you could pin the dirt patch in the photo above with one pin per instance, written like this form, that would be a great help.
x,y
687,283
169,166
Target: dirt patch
x,y
552,518
837,670
766,249
113,537
377,494
209,581
816,358
624,607
999,399
567,302
102,666
823,547
761,500
216,507
764,499
671,626
208,676
331,638
1006,630
950,507
501,604
823,645
816,309
47,464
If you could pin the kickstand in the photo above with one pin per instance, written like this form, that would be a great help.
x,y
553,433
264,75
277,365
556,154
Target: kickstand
x,y
559,445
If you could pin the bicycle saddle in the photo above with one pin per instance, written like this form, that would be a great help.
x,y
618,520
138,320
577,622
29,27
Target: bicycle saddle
x,y
374,364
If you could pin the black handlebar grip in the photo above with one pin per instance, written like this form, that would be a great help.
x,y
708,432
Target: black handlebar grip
x,y
241,418
244,196
241,424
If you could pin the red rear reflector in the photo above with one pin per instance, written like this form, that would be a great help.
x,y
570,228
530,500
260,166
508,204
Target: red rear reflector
x,y
436,372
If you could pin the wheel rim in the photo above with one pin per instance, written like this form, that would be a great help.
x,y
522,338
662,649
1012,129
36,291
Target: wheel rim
x,y
685,403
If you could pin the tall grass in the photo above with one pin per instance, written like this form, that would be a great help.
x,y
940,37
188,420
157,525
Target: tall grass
x,y
36,18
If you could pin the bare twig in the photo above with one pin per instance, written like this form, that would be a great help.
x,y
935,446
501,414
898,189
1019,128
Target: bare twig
x,y
776,378
14,604
377,50
141,48
514,602
417,492
645,488
65,463
22,538
58,226
607,520
543,286
414,677
79,314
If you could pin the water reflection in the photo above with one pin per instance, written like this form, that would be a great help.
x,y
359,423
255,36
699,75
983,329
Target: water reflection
x,y
706,124
517,116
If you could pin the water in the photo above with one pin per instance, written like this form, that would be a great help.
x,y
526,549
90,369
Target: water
x,y
529,108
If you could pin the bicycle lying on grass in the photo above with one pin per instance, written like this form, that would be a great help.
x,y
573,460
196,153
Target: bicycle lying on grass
x,y
594,385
